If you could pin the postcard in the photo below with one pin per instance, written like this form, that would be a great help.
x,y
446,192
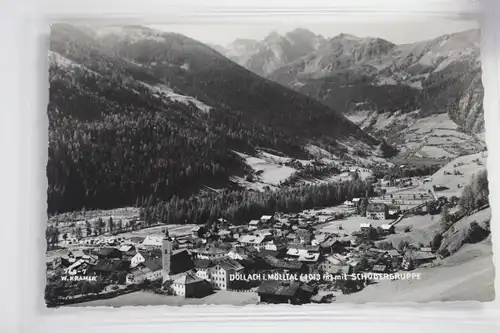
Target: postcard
x,y
264,164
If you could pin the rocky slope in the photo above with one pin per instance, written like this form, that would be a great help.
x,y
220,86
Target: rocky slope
x,y
273,52
374,79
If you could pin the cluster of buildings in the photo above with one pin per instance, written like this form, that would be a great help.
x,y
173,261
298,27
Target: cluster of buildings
x,y
198,264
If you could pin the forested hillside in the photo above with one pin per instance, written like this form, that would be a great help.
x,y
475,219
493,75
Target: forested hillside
x,y
150,115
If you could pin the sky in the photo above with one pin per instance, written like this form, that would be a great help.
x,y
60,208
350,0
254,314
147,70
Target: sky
x,y
398,31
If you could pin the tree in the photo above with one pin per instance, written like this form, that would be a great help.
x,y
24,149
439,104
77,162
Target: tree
x,y
111,226
119,225
445,219
121,276
88,228
78,232
467,200
436,242
363,205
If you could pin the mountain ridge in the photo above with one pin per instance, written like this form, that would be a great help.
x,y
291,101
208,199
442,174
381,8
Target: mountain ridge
x,y
440,75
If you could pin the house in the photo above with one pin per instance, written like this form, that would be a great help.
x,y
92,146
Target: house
x,y
209,253
148,270
276,292
257,241
356,201
137,239
333,245
109,253
380,269
203,268
303,236
185,243
349,203
76,254
388,229
302,254
323,297
128,251
283,265
365,226
152,241
108,266
267,219
377,211
239,253
254,224
426,249
331,265
191,286
139,257
222,273
414,259
90,259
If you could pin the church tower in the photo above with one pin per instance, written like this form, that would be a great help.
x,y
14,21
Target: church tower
x,y
166,255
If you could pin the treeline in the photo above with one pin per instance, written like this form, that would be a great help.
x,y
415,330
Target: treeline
x,y
240,206
395,172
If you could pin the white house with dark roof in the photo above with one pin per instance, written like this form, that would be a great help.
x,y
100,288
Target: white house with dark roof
x,y
254,224
267,219
377,211
190,285
209,253
365,226
222,272
257,241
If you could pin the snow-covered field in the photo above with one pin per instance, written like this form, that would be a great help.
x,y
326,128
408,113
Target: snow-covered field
x,y
465,276
466,165
435,136
268,171
165,91
142,298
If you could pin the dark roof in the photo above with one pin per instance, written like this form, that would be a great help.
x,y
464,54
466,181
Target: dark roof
x,y
155,253
329,242
106,251
376,207
152,265
230,264
109,265
180,262
137,239
271,253
203,263
282,264
279,288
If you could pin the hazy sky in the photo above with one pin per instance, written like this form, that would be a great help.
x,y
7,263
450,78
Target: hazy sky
x,y
403,31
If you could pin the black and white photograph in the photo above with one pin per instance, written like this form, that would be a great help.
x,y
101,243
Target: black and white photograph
x,y
243,164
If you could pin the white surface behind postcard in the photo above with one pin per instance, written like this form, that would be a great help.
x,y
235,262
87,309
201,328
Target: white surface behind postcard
x,y
289,167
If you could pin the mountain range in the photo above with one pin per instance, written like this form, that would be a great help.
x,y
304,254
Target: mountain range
x,y
374,77
138,114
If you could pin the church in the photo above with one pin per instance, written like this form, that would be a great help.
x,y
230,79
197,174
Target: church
x,y
175,263
178,267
